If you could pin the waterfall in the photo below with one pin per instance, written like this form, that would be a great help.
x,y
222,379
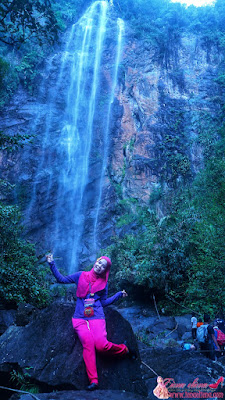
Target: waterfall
x,y
71,133
120,25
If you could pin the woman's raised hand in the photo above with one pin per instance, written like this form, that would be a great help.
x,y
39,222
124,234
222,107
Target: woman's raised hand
x,y
49,258
124,293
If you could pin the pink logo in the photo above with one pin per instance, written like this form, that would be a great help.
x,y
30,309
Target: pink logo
x,y
169,388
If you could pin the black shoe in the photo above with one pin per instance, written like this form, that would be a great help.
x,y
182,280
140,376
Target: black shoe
x,y
92,386
132,354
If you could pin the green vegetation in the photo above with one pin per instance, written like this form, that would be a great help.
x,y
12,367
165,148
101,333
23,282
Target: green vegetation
x,y
22,279
28,31
181,255
154,19
11,143
173,149
8,81
68,12
23,381
28,68
22,20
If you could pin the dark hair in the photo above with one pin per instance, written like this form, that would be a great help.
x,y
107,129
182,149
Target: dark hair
x,y
193,314
206,318
200,319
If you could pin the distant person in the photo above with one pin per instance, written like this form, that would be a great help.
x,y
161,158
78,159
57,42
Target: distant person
x,y
199,323
221,324
89,319
206,338
216,330
193,325
188,346
220,337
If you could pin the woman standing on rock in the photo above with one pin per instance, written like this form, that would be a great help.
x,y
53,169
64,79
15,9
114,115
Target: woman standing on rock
x,y
89,319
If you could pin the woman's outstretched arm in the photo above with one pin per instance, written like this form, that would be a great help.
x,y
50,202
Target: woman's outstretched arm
x,y
110,300
59,277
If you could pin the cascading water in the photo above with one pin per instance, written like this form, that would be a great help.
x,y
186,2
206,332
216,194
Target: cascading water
x,y
120,25
75,130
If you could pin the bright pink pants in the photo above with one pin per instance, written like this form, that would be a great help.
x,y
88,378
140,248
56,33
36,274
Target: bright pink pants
x,y
93,336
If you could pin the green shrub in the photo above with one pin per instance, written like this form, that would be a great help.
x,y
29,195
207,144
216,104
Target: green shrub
x,y
28,68
21,278
8,81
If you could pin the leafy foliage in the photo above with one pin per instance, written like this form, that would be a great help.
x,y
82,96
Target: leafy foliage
x,y
28,68
172,151
21,20
8,81
11,143
21,278
23,381
161,23
28,30
68,12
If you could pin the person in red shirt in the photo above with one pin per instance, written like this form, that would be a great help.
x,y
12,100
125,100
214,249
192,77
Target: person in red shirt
x,y
199,323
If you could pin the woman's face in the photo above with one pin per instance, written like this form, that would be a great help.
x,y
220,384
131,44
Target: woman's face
x,y
100,266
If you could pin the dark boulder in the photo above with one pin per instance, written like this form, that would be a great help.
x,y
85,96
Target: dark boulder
x,y
181,329
24,314
7,318
163,324
49,349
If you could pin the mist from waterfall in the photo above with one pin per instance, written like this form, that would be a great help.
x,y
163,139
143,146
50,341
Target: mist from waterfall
x,y
69,138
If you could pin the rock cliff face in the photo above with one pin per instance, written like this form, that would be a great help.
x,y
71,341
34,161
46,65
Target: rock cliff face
x,y
163,101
